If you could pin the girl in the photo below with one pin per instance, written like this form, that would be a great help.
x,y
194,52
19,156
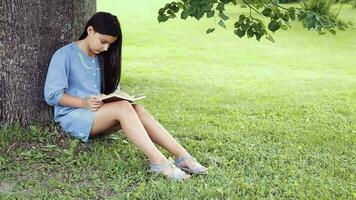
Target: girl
x,y
81,71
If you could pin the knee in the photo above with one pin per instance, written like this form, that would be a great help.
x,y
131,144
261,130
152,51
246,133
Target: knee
x,y
124,107
140,110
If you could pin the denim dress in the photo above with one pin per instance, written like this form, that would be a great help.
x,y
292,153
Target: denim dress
x,y
73,72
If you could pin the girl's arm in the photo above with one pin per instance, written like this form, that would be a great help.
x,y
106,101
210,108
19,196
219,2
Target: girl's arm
x,y
57,82
92,103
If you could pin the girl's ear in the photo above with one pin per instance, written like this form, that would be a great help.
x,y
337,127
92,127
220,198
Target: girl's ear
x,y
90,30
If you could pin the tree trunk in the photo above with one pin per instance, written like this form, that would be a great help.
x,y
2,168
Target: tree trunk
x,y
30,32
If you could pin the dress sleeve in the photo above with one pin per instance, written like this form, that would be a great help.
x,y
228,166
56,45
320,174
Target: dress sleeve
x,y
57,78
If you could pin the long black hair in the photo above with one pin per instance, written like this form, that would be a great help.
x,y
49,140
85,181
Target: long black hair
x,y
110,60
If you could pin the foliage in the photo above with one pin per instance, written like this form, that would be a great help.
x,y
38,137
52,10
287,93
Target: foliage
x,y
321,7
352,2
320,16
248,25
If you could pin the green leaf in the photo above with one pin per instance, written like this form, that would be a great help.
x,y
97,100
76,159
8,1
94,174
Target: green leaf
x,y
250,32
175,8
258,27
167,6
245,26
162,18
210,30
237,24
332,31
222,24
242,17
292,16
161,11
291,10
171,14
274,26
220,7
258,36
285,17
223,16
266,12
210,13
240,32
248,20
185,14
199,15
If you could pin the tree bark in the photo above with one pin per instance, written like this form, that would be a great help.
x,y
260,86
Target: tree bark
x,y
30,32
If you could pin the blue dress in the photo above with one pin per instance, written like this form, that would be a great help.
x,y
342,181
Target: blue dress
x,y
73,72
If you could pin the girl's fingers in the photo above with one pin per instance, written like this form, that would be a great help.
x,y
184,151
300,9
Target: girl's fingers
x,y
95,106
96,102
95,99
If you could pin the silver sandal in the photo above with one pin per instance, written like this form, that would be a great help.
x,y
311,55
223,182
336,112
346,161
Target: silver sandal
x,y
177,175
197,168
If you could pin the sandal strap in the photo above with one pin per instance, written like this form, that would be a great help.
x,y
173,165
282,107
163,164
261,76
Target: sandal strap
x,y
197,167
178,161
177,174
160,167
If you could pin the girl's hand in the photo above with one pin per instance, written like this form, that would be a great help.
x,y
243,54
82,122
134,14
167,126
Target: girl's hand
x,y
93,103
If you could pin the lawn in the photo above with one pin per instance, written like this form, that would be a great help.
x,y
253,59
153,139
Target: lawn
x,y
271,120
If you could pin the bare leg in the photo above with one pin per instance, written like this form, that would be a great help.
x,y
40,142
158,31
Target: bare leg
x,y
160,135
157,133
123,113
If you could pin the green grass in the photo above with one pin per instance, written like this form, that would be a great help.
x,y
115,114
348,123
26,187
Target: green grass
x,y
270,120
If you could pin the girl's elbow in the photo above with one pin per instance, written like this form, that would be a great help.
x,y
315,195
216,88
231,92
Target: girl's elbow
x,y
54,98
50,101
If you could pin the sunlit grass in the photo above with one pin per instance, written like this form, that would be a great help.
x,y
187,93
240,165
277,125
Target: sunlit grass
x,y
271,120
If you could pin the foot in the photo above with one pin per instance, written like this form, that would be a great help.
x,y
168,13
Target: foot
x,y
190,164
169,170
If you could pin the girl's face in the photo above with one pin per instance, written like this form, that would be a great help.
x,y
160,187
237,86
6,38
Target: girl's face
x,y
99,42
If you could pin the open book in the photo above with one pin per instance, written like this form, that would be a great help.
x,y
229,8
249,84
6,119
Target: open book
x,y
116,96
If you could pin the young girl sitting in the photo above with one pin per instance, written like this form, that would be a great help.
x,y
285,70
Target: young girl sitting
x,y
85,69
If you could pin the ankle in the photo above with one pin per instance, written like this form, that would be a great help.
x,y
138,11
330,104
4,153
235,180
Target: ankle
x,y
181,154
158,160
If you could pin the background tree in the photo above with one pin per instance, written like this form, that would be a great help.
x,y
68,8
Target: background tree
x,y
30,32
252,25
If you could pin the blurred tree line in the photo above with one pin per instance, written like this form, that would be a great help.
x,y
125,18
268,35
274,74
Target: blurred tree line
x,y
352,2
